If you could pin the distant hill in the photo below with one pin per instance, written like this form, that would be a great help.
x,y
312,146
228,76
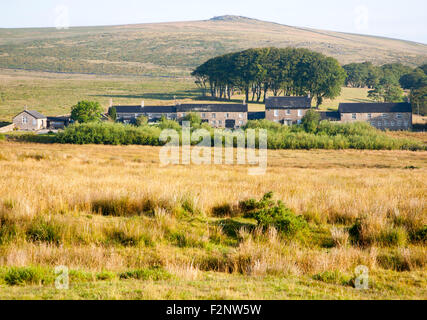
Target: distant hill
x,y
174,49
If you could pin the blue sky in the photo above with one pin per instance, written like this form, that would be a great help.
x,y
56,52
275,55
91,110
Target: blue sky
x,y
391,18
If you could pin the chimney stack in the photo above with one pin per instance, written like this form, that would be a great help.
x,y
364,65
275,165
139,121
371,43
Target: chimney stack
x,y
111,103
142,103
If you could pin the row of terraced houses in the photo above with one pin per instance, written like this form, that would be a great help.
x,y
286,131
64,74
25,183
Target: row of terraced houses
x,y
284,110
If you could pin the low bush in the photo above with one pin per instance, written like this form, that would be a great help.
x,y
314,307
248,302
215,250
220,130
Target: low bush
x,y
110,133
268,213
27,276
393,237
44,231
420,235
326,135
363,234
334,277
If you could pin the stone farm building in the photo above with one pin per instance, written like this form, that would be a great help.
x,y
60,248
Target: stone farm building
x,y
391,116
30,120
217,115
286,110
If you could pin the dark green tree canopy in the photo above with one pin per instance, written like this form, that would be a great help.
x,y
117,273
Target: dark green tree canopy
x,y
256,71
86,111
112,112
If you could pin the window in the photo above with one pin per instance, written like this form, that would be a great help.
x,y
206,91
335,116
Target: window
x,y
213,115
380,124
354,116
213,122
391,123
183,115
276,113
385,123
399,123
227,115
299,121
373,123
203,115
399,116
369,116
219,122
24,119
299,113
288,111
241,115
150,116
384,115
240,122
34,122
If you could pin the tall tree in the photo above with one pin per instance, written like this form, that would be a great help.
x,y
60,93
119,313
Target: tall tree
x,y
86,111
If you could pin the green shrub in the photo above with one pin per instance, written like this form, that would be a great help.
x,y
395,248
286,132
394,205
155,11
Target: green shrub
x,y
2,137
153,273
44,231
325,135
80,276
393,237
334,277
105,275
27,276
420,235
8,227
271,214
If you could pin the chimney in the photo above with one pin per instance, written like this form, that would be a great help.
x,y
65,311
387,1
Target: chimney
x,y
142,103
244,100
26,108
111,103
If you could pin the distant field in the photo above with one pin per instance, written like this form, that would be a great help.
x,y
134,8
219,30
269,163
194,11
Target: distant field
x,y
176,48
128,228
54,94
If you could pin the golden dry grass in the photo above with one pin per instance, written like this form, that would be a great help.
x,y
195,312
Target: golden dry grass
x,y
61,186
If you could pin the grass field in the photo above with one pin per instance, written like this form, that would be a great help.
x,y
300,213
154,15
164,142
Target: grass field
x,y
176,48
130,228
55,94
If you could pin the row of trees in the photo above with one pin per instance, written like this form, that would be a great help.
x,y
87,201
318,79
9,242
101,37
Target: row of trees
x,y
255,72
388,81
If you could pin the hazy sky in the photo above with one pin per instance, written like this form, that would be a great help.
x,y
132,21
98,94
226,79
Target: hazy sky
x,y
391,18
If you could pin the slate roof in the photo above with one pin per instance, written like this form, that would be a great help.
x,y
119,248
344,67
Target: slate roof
x,y
34,114
63,118
145,109
212,107
374,107
288,103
